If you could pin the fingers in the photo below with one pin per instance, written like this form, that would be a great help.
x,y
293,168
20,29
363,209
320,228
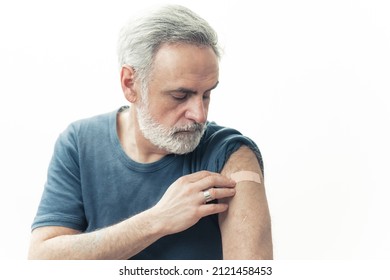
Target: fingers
x,y
205,180
216,193
183,204
194,177
210,185
213,208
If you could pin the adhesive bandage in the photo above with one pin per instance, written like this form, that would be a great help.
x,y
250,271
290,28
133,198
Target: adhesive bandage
x,y
245,176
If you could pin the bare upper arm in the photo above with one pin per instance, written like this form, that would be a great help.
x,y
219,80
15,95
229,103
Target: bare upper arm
x,y
246,226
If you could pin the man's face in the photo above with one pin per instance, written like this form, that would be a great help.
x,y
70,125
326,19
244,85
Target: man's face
x,y
174,115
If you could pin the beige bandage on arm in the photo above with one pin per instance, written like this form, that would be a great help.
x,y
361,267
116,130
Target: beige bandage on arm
x,y
246,176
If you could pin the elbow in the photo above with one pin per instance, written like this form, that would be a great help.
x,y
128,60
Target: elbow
x,y
36,251
33,254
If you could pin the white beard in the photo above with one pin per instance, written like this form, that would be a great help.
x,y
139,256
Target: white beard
x,y
175,140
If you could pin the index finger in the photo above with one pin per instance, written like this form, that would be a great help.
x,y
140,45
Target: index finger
x,y
215,180
199,175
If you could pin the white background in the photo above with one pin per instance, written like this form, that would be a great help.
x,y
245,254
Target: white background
x,y
307,80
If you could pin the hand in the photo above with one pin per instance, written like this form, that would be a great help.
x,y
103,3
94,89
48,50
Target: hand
x,y
183,204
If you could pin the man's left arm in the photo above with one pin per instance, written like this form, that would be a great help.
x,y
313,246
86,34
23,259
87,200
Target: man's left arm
x,y
246,226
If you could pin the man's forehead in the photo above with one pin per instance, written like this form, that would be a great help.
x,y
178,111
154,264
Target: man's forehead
x,y
190,90
186,64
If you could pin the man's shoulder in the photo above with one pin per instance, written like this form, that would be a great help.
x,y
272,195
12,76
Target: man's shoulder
x,y
94,127
219,142
96,123
95,120
215,132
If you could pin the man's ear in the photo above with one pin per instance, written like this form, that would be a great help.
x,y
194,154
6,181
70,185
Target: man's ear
x,y
128,83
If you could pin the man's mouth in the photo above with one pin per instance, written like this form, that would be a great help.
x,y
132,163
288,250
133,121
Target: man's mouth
x,y
187,131
194,128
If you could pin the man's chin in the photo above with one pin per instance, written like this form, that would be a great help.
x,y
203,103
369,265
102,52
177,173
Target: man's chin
x,y
187,145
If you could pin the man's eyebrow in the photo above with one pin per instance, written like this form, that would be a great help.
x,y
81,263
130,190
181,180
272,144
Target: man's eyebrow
x,y
189,90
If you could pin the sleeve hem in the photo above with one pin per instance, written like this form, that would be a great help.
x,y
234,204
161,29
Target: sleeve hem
x,y
53,220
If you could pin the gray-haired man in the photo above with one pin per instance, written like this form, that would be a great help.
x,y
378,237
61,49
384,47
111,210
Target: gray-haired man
x,y
156,180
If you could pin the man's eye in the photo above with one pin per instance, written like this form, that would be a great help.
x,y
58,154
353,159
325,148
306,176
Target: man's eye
x,y
179,96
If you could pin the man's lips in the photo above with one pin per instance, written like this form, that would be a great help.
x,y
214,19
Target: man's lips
x,y
187,131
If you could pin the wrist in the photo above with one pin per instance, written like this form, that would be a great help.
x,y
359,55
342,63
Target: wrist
x,y
155,226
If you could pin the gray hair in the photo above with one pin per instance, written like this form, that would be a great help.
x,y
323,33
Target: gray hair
x,y
141,38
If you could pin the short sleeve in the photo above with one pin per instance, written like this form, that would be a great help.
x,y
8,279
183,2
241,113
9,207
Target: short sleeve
x,y
61,202
221,143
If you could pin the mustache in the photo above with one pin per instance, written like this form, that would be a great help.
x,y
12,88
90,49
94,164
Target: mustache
x,y
194,127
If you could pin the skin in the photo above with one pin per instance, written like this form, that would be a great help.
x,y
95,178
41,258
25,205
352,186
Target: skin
x,y
181,82
248,215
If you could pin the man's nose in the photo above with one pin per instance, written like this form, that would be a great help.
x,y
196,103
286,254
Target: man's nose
x,y
197,110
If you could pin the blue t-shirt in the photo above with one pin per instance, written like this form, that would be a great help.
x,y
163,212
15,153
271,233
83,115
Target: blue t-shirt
x,y
93,184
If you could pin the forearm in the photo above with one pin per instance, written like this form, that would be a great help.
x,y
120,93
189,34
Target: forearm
x,y
120,241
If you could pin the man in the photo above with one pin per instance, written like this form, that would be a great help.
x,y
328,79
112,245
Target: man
x,y
156,180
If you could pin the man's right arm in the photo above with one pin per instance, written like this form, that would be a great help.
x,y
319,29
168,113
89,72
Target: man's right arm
x,y
181,207
119,241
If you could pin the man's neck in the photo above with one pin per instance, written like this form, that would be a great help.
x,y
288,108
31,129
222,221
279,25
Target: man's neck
x,y
135,145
